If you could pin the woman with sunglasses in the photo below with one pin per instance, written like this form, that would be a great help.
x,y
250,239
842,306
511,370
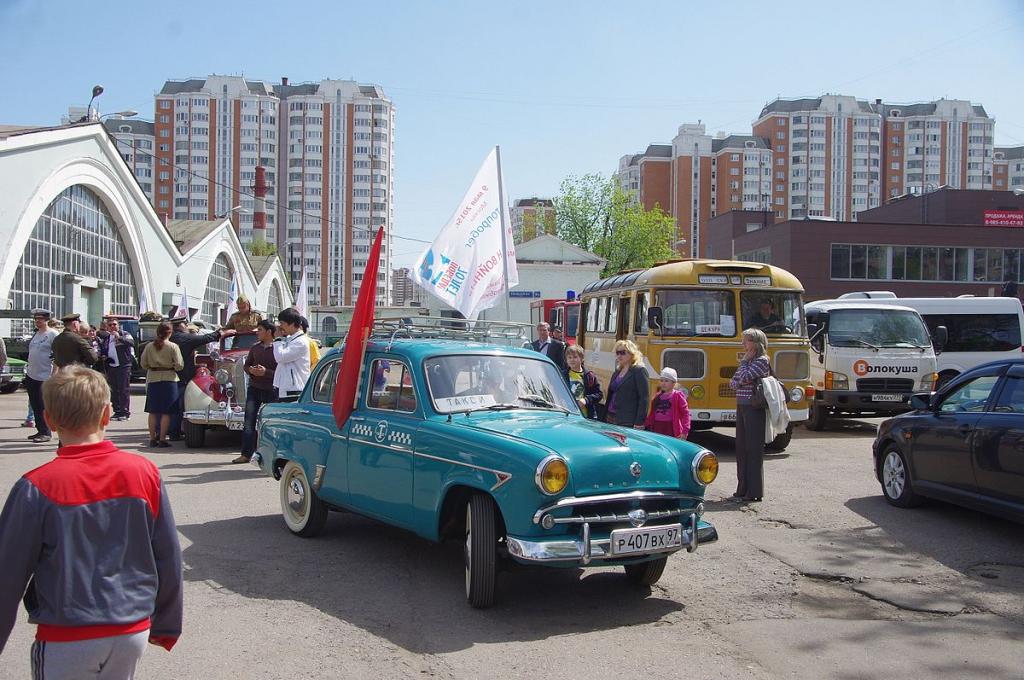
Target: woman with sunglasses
x,y
628,389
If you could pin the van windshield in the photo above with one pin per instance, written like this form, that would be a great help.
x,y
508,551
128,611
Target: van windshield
x,y
876,328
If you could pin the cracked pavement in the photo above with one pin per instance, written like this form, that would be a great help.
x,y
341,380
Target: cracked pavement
x,y
821,580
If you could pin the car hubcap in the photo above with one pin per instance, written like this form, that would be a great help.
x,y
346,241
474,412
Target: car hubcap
x,y
468,551
894,475
297,497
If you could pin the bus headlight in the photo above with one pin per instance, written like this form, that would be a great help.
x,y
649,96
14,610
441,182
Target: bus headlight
x,y
705,467
836,381
697,391
796,394
552,475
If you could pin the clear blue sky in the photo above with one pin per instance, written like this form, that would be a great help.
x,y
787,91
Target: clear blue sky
x,y
564,87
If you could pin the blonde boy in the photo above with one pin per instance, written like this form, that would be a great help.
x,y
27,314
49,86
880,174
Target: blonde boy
x,y
97,595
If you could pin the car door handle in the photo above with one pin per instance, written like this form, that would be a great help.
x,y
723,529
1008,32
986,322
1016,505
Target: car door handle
x,y
964,430
302,412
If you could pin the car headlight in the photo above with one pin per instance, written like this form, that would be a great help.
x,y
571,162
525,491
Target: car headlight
x,y
222,376
705,467
552,475
928,381
836,381
796,394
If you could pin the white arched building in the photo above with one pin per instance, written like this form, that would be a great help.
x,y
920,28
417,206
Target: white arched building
x,y
77,234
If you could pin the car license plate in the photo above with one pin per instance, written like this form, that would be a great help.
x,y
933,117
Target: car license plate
x,y
235,425
646,540
729,415
886,397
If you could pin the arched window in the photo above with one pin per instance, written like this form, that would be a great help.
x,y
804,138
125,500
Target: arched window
x,y
274,303
330,325
218,287
75,235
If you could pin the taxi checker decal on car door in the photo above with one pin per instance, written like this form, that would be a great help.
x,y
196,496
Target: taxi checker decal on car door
x,y
381,440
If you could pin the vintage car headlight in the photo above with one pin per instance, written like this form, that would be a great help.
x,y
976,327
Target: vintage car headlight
x,y
552,475
796,394
705,467
223,376
836,381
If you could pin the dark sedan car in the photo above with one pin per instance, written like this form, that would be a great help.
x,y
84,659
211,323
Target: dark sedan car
x,y
963,445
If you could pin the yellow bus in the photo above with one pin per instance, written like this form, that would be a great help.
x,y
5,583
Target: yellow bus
x,y
689,315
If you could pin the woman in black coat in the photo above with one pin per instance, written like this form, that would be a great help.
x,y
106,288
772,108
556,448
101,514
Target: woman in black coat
x,y
628,390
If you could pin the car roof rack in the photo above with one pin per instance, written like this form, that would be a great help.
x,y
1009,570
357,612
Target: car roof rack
x,y
508,333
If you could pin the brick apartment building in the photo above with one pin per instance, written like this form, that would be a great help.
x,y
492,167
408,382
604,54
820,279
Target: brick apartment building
x,y
532,217
945,243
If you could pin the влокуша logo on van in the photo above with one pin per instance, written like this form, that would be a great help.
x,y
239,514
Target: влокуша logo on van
x,y
862,367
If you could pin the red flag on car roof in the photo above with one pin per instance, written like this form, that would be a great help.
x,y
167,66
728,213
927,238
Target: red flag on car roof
x,y
347,388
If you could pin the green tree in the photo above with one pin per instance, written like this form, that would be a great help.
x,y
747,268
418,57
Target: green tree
x,y
261,248
597,215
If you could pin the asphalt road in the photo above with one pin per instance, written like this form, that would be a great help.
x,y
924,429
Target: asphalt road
x,y
821,580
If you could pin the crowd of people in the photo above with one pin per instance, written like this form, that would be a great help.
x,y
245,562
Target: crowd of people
x,y
626,401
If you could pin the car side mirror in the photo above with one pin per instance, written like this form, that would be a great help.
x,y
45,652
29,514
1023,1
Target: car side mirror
x,y
655,319
921,402
940,338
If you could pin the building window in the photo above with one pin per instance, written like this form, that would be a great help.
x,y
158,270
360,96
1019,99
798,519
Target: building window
x,y
74,235
218,286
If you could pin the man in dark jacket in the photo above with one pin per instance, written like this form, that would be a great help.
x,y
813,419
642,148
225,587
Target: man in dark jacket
x,y
117,350
547,345
260,365
70,347
188,343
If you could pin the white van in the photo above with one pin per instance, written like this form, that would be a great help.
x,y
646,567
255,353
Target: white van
x,y
867,358
981,329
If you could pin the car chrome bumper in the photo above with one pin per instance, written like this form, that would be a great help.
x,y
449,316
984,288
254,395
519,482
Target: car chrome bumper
x,y
585,550
233,420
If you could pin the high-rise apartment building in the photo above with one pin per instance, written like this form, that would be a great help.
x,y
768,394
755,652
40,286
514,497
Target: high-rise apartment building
x,y
326,149
134,140
405,291
532,217
648,176
1008,168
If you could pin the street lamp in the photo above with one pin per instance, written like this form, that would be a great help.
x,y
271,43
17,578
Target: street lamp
x,y
240,209
924,201
97,90
128,113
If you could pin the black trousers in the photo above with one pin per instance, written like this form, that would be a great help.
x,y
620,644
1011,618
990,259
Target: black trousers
x,y
750,424
35,400
119,379
254,398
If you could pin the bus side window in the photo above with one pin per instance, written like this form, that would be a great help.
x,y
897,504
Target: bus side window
x,y
640,324
622,332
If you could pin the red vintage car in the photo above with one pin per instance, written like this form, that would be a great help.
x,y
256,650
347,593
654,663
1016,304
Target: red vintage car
x,y
216,395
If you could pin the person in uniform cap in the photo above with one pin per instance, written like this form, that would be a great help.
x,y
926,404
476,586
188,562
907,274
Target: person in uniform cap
x,y
38,369
246,318
70,347
188,343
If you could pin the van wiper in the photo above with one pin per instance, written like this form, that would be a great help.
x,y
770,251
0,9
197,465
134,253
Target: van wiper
x,y
913,344
865,343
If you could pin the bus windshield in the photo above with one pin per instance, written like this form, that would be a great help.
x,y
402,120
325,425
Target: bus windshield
x,y
691,313
876,328
572,320
774,313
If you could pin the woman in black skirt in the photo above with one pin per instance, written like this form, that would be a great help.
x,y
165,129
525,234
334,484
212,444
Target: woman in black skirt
x,y
161,359
750,420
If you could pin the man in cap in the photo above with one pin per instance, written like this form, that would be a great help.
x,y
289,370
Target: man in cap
x,y
117,348
38,369
188,343
70,347
246,318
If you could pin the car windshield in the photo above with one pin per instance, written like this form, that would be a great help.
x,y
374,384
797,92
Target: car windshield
x,y
240,341
485,382
709,313
774,313
876,328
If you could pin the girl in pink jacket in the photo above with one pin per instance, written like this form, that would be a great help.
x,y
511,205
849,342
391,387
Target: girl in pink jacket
x,y
669,413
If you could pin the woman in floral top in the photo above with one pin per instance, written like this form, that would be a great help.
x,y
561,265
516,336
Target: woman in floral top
x,y
750,420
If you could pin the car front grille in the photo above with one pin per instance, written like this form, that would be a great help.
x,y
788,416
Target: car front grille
x,y
885,385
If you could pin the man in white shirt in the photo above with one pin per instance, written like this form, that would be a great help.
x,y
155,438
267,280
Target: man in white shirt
x,y
38,369
292,354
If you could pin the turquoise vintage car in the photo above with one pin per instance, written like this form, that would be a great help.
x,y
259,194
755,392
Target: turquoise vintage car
x,y
485,444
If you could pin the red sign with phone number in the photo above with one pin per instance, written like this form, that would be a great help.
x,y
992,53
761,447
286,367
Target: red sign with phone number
x,y
1004,218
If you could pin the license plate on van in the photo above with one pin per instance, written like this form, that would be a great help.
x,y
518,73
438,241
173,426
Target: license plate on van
x,y
886,397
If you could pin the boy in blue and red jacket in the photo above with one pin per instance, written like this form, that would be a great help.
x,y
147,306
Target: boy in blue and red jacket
x,y
89,544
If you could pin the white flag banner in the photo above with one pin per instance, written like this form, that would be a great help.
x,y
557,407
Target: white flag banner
x,y
183,305
301,297
143,302
465,265
232,299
